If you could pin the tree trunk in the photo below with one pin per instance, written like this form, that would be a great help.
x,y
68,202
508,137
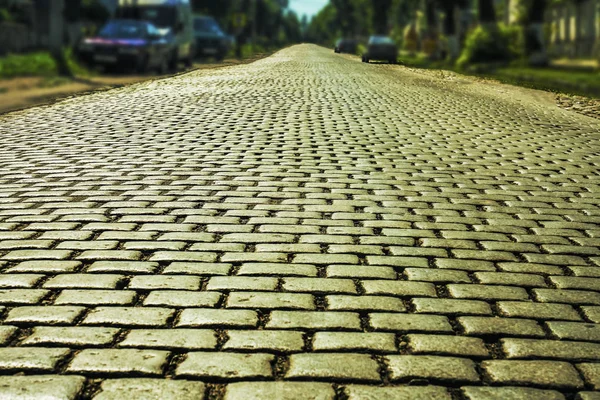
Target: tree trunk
x,y
487,12
450,29
535,42
56,35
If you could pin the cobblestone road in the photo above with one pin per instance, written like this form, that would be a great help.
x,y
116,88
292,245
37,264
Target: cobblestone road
x,y
303,227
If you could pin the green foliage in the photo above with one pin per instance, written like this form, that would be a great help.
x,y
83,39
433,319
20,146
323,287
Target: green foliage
x,y
35,64
5,15
492,44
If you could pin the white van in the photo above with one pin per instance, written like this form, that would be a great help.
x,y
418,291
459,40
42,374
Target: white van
x,y
167,15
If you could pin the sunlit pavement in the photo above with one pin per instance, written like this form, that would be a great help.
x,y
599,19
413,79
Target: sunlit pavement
x,y
303,227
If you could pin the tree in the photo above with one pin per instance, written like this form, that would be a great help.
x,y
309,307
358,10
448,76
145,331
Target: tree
x,y
487,12
56,33
381,10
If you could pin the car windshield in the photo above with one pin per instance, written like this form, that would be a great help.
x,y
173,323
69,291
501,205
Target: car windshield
x,y
380,40
161,16
123,30
206,25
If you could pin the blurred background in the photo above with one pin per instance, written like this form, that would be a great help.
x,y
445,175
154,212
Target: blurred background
x,y
46,44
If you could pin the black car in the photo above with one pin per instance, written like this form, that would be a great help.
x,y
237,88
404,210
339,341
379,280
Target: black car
x,y
346,46
210,39
381,48
128,44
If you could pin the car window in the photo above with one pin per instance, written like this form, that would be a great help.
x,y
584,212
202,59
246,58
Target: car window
x,y
152,31
161,16
123,30
206,25
380,40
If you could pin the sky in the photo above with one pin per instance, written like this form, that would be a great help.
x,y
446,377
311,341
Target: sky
x,y
308,7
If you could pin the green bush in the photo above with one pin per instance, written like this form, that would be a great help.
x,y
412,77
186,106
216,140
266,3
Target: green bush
x,y
35,64
492,44
361,49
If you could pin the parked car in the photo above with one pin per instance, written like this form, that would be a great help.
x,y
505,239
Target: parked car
x,y
211,41
127,43
346,46
381,48
167,15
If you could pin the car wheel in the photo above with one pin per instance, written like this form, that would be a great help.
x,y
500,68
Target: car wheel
x,y
392,61
366,60
173,61
142,65
163,67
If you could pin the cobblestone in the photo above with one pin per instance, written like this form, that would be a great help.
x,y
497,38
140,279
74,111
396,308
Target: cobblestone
x,y
301,226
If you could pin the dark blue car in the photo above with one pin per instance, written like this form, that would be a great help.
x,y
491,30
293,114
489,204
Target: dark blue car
x,y
211,41
128,44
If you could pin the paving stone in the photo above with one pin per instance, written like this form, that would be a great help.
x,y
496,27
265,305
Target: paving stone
x,y
548,374
564,350
266,340
592,313
119,362
451,306
333,366
399,288
95,297
126,267
225,365
588,396
180,298
575,297
494,326
9,281
549,311
319,285
431,368
575,330
364,303
31,359
129,316
509,393
360,272
206,317
364,392
485,292
436,275
279,390
47,315
198,268
6,333
50,386
241,283
45,267
314,320
466,265
22,296
502,278
170,339
72,336
320,259
83,281
155,282
591,374
277,269
354,341
409,322
271,300
450,345
150,389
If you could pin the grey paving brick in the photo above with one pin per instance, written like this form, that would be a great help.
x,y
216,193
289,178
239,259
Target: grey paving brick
x,y
331,320
432,368
266,340
31,359
206,317
279,390
493,326
549,374
364,392
119,362
51,386
509,393
333,366
150,389
72,336
170,339
226,365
